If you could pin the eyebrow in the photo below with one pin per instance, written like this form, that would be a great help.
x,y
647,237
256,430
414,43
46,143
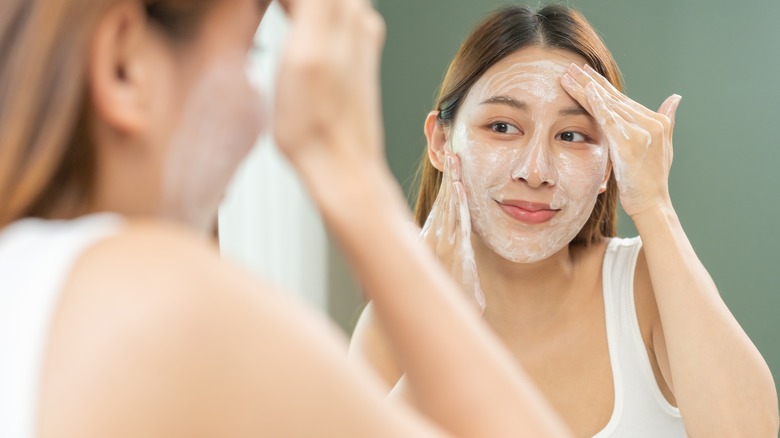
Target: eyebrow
x,y
506,100
521,105
574,111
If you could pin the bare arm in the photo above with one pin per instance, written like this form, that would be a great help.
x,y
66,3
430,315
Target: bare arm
x,y
721,383
700,342
369,344
328,125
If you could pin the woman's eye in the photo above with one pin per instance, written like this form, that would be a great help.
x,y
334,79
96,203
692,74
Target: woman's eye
x,y
504,128
572,136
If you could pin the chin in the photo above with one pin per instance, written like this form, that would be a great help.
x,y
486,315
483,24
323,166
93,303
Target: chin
x,y
527,248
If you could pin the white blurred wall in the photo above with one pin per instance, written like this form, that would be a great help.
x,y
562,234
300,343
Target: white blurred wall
x,y
267,222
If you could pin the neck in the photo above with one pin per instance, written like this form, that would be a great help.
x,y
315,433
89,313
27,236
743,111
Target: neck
x,y
131,181
532,294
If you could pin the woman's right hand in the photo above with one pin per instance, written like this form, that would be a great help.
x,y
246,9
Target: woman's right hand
x,y
327,110
447,231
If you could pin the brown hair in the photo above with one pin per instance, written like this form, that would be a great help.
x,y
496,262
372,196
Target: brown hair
x,y
47,160
500,34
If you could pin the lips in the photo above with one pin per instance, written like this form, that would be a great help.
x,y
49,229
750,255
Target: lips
x,y
528,212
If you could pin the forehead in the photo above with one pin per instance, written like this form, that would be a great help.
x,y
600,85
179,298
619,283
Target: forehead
x,y
532,70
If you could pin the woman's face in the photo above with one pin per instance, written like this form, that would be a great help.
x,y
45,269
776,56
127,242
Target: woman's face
x,y
219,115
532,159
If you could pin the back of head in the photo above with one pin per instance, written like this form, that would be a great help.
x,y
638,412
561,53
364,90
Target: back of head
x,y
47,159
500,34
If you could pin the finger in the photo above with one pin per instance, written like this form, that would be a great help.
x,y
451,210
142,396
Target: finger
x,y
455,174
432,229
589,74
577,88
576,91
469,268
605,117
464,217
601,80
370,39
444,202
626,112
669,108
447,174
451,220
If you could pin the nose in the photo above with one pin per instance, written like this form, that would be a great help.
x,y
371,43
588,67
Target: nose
x,y
535,164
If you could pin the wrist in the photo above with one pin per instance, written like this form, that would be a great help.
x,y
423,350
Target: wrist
x,y
352,192
659,214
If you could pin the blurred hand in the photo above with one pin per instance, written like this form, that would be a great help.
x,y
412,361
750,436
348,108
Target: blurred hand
x,y
327,97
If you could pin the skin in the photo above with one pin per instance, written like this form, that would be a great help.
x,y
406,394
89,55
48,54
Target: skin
x,y
550,313
518,124
154,335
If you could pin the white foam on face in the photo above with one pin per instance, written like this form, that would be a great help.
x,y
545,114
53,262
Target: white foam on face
x,y
220,123
534,167
535,80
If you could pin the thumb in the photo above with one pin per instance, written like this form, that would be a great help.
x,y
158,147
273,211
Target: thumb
x,y
669,108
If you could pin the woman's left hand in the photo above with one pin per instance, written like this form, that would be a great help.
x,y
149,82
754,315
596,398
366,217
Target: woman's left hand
x,y
447,231
639,139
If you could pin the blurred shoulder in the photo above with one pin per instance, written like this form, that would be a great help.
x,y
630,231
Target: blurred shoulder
x,y
147,327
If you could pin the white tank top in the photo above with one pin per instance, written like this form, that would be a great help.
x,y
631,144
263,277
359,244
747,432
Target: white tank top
x,y
640,411
36,257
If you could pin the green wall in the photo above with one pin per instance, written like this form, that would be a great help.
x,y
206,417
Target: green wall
x,y
722,56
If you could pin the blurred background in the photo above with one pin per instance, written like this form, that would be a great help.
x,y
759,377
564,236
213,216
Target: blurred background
x,y
722,56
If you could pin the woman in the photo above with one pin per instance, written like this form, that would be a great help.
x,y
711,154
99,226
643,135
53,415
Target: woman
x,y
618,333
121,122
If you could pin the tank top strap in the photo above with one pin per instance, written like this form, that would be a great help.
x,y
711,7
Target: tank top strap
x,y
640,407
36,257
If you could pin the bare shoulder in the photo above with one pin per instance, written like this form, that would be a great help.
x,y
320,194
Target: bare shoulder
x,y
156,336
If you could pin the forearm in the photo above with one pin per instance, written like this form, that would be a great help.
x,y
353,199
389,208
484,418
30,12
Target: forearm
x,y
459,374
717,372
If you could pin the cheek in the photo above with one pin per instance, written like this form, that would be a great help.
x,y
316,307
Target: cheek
x,y
221,121
583,172
484,167
238,111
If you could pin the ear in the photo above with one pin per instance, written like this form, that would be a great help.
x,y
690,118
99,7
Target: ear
x,y
118,70
437,140
607,174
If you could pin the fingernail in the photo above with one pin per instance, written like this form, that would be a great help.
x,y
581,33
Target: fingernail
x,y
567,80
574,69
590,69
448,163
